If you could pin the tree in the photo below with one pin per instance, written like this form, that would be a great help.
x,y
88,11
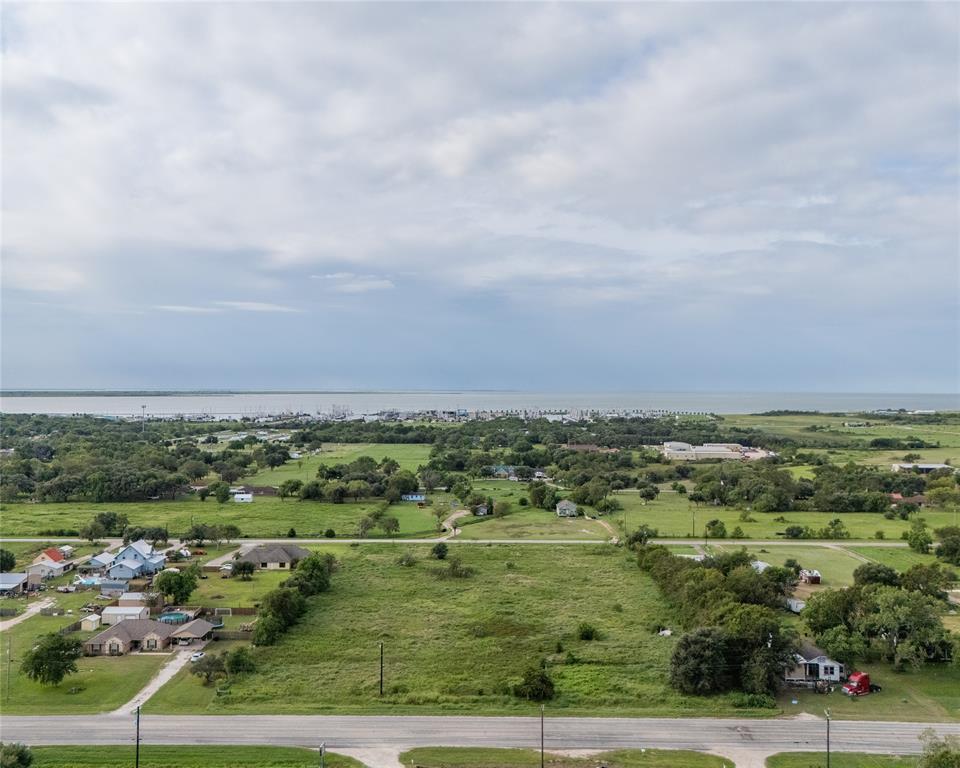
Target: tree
x,y
7,560
715,529
439,550
502,509
221,491
640,536
287,605
244,569
389,525
312,574
699,662
939,751
52,658
930,580
209,668
203,493
949,548
289,488
267,630
537,493
536,685
876,573
179,586
93,531
919,537
240,662
15,755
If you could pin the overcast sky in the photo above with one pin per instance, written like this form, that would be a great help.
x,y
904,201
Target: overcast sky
x,y
566,197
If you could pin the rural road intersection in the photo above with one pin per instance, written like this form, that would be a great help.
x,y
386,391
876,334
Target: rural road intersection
x,y
746,741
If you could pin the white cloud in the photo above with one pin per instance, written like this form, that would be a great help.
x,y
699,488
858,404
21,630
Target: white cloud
x,y
348,282
255,306
188,310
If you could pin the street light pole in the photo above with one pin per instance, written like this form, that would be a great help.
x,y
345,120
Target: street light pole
x,y
827,713
541,736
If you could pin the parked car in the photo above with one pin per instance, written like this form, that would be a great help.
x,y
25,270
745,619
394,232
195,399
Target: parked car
x,y
194,658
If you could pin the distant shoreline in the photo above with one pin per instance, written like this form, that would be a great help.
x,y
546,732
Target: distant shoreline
x,y
215,392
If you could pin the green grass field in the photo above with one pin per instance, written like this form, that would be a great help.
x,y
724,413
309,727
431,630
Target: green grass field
x,y
836,566
409,456
838,760
266,516
932,694
153,756
457,645
900,559
479,757
527,523
673,516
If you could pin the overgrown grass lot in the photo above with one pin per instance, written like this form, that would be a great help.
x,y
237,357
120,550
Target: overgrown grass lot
x,y
459,644
408,455
267,516
479,757
152,756
838,760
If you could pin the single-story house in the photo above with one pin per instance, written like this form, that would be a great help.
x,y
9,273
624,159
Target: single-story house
x,y
113,588
132,600
52,553
809,575
114,614
413,497
759,566
127,636
99,562
273,557
243,498
46,569
923,469
481,510
812,664
91,622
897,499
198,629
566,508
13,583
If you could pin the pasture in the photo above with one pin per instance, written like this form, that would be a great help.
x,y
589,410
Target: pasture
x,y
459,644
408,455
480,757
838,760
155,756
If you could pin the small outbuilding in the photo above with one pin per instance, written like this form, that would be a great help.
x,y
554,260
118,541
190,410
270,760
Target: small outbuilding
x,y
567,508
91,622
810,576
114,614
13,583
198,629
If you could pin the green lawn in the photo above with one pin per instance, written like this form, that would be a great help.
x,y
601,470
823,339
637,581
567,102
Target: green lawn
x,y
527,523
900,559
836,566
186,692
152,756
838,760
265,517
458,645
409,456
235,592
932,694
673,516
479,757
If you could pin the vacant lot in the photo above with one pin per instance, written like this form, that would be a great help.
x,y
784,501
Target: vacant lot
x,y
409,456
152,756
454,645
463,757
527,523
673,515
836,565
838,760
265,517
900,559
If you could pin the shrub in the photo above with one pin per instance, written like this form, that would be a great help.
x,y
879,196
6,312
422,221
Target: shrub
x,y
587,632
455,570
879,535
240,662
737,533
407,560
536,685
753,701
15,755
330,533
292,533
439,551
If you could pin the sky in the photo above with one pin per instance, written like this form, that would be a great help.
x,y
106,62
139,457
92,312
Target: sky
x,y
565,197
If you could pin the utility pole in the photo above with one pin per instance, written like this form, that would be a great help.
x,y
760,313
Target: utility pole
x,y
137,763
541,736
323,749
9,665
143,419
381,669
827,713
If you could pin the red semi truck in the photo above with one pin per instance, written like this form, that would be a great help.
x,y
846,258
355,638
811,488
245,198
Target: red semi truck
x,y
858,684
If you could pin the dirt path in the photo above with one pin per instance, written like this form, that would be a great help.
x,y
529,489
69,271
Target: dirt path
x,y
450,524
851,553
614,536
179,659
30,611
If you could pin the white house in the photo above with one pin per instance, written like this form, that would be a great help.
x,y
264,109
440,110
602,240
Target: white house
x,y
115,613
46,569
243,498
136,559
566,508
812,664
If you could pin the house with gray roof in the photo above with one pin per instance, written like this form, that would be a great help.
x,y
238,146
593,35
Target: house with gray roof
x,y
129,635
273,557
566,508
13,583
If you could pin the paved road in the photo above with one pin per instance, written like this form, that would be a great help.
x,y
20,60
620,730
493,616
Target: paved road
x,y
715,734
675,542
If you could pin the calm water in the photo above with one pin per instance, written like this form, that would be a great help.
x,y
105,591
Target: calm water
x,y
253,404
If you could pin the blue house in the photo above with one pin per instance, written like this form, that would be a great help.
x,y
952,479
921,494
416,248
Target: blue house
x,y
136,559
414,497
